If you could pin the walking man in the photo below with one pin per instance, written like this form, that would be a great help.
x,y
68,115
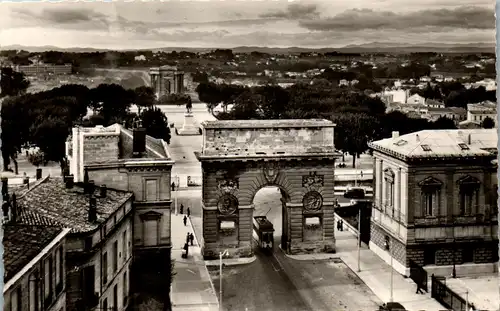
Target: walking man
x,y
185,220
191,238
188,211
186,248
182,209
188,237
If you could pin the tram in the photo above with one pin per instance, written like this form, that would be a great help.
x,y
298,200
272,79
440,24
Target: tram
x,y
263,232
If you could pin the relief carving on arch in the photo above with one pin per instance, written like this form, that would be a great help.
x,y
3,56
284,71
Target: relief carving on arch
x,y
228,185
271,170
313,181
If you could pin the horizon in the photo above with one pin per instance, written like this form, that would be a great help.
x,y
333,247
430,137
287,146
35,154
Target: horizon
x,y
312,24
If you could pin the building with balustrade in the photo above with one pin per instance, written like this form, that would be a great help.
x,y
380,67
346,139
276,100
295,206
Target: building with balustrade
x,y
435,200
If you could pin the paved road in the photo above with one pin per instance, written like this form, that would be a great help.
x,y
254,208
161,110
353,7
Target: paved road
x,y
275,282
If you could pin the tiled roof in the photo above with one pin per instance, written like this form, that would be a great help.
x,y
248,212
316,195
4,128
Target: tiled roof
x,y
440,144
22,243
266,123
154,147
50,203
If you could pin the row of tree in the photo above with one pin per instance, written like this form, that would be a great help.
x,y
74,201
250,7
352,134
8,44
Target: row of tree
x,y
45,119
360,118
455,94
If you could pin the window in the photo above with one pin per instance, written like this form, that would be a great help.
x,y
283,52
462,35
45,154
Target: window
x,y
426,147
48,281
151,190
124,245
16,300
105,305
389,188
88,243
115,256
88,290
115,297
467,255
58,272
429,256
125,291
61,265
430,196
105,268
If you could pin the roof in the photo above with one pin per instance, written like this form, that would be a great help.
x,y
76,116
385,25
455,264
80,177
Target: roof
x,y
482,107
440,144
290,123
155,148
50,203
22,243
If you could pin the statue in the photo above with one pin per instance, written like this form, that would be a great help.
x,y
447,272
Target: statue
x,y
189,105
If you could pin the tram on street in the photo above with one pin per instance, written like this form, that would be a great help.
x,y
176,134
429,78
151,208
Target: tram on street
x,y
263,232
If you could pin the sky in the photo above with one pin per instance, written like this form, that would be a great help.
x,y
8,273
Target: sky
x,y
232,23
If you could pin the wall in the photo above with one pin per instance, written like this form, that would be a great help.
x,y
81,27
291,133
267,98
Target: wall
x,y
27,287
246,141
251,178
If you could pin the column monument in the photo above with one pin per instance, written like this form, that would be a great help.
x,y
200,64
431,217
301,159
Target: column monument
x,y
189,127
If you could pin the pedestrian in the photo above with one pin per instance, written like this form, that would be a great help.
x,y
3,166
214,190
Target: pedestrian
x,y
186,248
419,288
191,238
188,236
188,211
185,220
182,209
341,225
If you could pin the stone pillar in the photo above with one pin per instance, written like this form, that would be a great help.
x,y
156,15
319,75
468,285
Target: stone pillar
x,y
378,181
245,234
404,195
397,190
189,128
381,185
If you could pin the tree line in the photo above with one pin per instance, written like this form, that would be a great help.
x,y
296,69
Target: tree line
x,y
45,119
360,118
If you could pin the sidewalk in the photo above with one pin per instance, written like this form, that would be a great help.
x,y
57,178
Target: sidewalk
x,y
376,274
482,291
192,288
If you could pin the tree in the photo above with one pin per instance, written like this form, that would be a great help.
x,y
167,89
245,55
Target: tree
x,y
210,94
175,99
488,123
144,97
12,83
444,123
156,123
111,101
354,131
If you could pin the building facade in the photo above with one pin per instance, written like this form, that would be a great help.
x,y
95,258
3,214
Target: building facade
x,y
435,200
480,111
166,80
37,69
131,161
34,268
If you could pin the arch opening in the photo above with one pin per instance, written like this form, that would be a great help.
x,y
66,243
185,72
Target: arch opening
x,y
269,201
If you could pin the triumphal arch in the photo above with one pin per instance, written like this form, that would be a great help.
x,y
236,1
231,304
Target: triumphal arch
x,y
238,158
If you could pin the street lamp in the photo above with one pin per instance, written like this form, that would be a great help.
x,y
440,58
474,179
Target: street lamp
x,y
454,271
388,247
359,238
221,254
175,196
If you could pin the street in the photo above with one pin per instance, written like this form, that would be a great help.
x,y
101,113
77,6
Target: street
x,y
276,282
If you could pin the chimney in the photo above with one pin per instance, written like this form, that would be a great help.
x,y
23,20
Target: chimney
x,y
139,142
103,191
417,138
395,134
469,139
91,187
92,209
69,181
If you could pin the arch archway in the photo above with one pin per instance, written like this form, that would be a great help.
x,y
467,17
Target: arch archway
x,y
235,165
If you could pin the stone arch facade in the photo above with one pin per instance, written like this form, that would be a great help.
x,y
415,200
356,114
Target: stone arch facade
x,y
230,183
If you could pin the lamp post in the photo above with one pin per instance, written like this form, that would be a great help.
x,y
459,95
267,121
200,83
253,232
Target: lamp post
x,y
221,254
359,238
388,247
454,271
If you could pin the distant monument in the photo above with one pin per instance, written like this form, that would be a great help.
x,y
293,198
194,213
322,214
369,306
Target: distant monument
x,y
166,80
189,127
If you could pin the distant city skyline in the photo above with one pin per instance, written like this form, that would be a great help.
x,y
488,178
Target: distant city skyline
x,y
231,23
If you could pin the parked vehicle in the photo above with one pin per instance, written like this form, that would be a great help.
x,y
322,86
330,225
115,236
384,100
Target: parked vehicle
x,y
392,306
355,193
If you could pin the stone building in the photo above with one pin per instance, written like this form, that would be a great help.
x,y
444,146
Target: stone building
x,y
435,200
166,80
34,268
132,161
99,244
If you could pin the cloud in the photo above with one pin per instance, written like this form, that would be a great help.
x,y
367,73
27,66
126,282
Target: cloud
x,y
465,17
295,11
62,17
